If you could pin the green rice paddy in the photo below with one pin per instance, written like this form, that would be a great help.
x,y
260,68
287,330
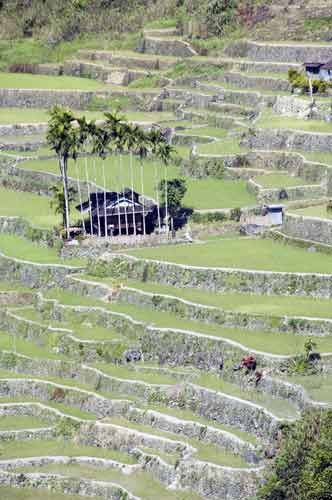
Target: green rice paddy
x,y
260,254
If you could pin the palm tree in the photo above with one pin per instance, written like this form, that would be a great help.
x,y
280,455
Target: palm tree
x,y
97,197
163,151
58,200
80,195
65,136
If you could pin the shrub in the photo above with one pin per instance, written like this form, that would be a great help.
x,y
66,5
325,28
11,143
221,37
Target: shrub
x,y
303,465
236,214
202,218
329,206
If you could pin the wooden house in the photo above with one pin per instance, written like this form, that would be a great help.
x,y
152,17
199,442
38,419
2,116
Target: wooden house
x,y
124,211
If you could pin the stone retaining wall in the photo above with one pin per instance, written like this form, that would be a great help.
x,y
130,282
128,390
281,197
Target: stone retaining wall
x,y
256,163
274,52
34,275
65,484
272,195
273,139
40,98
23,129
126,61
301,108
165,47
308,228
23,229
251,82
222,317
162,421
220,279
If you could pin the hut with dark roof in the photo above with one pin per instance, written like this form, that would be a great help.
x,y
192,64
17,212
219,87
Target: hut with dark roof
x,y
124,212
319,70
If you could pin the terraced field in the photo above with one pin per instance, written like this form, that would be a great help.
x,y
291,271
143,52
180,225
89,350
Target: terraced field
x,y
120,368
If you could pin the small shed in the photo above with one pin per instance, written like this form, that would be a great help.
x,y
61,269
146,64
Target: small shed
x,y
275,214
319,70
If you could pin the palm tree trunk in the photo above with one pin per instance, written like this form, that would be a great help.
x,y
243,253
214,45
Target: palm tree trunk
x,y
64,175
80,196
88,186
97,199
143,199
132,190
157,195
166,198
118,200
105,209
123,186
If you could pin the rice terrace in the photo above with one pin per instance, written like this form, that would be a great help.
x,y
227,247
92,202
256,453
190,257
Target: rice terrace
x,y
165,250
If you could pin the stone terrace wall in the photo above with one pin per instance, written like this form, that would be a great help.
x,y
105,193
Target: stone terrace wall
x,y
219,279
308,228
277,53
23,129
25,98
251,82
271,195
288,139
255,161
164,47
295,106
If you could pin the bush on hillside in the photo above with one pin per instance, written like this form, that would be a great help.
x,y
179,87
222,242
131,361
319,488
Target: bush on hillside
x,y
302,469
301,81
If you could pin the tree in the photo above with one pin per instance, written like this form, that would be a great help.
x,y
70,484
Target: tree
x,y
302,469
58,200
173,191
66,135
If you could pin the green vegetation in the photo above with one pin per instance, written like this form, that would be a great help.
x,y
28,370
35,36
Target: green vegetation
x,y
36,209
269,119
188,415
279,181
318,387
276,343
20,422
209,453
34,494
139,483
303,466
270,305
26,81
202,193
120,371
13,246
242,253
40,448
314,211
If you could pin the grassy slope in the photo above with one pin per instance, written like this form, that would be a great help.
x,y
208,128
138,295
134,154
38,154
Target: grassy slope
x,y
27,81
32,207
242,253
35,115
276,343
7,493
202,194
138,483
279,181
269,119
245,303
13,246
315,211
